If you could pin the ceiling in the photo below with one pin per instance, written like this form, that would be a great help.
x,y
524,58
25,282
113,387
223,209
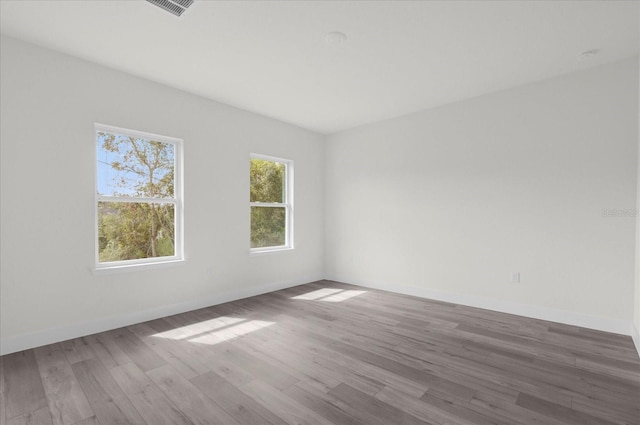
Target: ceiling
x,y
271,57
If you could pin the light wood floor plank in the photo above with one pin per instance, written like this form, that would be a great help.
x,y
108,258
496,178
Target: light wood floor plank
x,y
154,407
569,416
188,398
77,350
258,368
136,350
89,421
321,403
107,350
444,403
41,416
110,405
3,395
67,401
244,409
25,395
419,409
370,409
283,406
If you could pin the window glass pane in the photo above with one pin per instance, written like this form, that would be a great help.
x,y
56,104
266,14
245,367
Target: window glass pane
x,y
133,230
267,181
268,226
131,166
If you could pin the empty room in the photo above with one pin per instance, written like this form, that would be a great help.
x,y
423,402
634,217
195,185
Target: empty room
x,y
319,212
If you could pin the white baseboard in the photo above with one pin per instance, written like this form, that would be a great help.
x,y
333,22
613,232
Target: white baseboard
x,y
16,343
635,334
605,324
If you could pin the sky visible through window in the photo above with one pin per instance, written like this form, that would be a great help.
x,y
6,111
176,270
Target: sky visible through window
x,y
126,182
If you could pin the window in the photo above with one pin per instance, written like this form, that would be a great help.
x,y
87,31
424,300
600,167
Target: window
x,y
271,203
138,198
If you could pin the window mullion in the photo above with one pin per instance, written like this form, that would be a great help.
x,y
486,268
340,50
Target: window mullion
x,y
268,204
103,198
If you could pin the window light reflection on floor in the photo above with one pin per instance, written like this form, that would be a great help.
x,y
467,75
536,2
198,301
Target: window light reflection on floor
x,y
215,331
341,296
231,332
198,328
314,295
329,295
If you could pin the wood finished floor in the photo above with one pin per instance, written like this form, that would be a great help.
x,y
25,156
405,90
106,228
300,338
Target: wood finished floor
x,y
328,353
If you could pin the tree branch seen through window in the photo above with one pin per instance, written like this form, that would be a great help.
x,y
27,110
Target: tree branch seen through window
x,y
136,211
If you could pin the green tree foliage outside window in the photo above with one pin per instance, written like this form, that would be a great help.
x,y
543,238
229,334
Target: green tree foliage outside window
x,y
129,168
269,187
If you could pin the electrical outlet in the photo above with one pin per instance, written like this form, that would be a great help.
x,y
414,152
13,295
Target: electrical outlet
x,y
515,277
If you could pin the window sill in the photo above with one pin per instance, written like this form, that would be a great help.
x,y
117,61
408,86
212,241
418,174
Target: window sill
x,y
265,251
128,268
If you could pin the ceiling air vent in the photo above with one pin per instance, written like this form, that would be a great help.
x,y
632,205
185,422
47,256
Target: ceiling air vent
x,y
176,7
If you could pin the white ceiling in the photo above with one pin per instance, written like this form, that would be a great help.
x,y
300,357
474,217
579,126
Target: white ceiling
x,y
271,57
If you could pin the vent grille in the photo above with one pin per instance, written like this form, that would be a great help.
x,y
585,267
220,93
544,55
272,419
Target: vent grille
x,y
175,7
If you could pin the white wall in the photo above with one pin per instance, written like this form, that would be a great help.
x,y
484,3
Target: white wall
x,y
50,103
448,202
636,317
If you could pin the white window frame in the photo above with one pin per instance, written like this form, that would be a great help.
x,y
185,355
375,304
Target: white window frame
x,y
177,201
287,204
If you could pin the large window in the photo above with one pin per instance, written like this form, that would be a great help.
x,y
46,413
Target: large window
x,y
271,203
138,198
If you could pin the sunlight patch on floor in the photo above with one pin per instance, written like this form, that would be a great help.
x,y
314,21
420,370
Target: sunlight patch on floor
x,y
314,295
331,295
215,331
221,329
341,296
199,328
231,332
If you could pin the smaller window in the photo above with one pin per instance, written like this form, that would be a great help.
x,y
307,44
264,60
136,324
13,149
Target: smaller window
x,y
271,203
